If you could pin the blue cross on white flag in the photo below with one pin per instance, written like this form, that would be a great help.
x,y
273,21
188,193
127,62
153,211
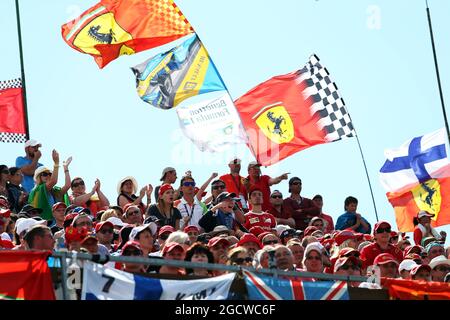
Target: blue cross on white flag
x,y
416,161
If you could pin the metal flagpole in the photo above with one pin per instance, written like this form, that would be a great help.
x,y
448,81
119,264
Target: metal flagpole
x,y
22,69
367,172
437,71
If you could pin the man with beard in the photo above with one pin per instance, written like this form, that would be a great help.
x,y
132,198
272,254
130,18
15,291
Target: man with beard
x,y
29,163
234,182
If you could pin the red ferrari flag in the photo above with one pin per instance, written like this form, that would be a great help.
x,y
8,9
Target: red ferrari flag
x,y
116,27
12,113
402,289
292,112
25,275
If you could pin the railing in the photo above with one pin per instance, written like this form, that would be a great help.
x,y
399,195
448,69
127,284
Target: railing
x,y
63,256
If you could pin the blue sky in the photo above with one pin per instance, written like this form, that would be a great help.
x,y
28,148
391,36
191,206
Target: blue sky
x,y
378,53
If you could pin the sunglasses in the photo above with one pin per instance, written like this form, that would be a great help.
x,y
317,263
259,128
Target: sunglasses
x,y
270,242
134,212
313,258
132,253
277,197
218,187
46,174
77,184
350,266
381,230
106,231
189,184
5,171
242,260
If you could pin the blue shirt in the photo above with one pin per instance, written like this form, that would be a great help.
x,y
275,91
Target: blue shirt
x,y
28,181
225,219
348,219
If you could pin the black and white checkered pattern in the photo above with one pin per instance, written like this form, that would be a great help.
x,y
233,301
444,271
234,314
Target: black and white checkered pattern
x,y
12,137
327,102
11,84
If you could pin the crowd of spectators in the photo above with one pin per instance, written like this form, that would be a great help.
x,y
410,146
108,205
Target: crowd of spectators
x,y
245,222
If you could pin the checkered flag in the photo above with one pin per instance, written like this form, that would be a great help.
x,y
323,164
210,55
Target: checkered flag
x,y
10,118
326,101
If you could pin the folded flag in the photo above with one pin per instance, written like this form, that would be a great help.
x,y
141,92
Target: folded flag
x,y
116,27
12,113
416,177
25,275
104,283
173,76
292,112
402,289
212,125
261,287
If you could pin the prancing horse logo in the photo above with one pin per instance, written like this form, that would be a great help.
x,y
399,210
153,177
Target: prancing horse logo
x,y
275,122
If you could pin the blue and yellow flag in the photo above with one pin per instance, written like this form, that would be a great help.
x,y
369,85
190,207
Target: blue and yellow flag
x,y
180,73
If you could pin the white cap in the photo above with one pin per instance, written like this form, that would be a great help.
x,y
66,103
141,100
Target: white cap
x,y
422,214
436,261
32,143
24,224
136,230
314,246
280,228
407,265
5,236
116,221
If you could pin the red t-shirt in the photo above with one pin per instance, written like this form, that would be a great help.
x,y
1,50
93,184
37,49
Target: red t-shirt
x,y
284,214
264,220
330,224
263,184
370,252
235,185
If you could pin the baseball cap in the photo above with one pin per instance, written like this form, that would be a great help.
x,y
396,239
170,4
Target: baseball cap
x,y
384,258
345,235
6,213
99,225
436,261
116,221
287,233
132,244
235,160
136,230
168,247
89,236
309,230
254,164
32,143
219,229
379,224
431,245
190,228
6,244
59,204
164,188
221,197
341,261
423,213
215,240
293,179
408,249
314,246
25,224
28,208
249,237
407,265
418,267
165,170
165,229
345,252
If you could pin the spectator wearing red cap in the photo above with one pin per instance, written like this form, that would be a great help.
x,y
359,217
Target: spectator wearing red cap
x,y
164,211
172,251
198,252
381,233
190,205
421,272
126,189
256,217
348,266
93,200
329,224
302,209
58,211
219,247
282,215
164,233
351,219
105,231
388,265
250,242
234,182
424,229
132,249
192,232
297,252
132,214
73,237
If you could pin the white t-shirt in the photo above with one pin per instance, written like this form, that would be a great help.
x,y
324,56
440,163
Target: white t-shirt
x,y
195,212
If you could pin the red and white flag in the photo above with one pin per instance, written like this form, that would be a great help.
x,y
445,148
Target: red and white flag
x,y
12,112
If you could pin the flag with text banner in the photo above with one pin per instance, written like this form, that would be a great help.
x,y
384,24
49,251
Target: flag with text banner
x,y
104,283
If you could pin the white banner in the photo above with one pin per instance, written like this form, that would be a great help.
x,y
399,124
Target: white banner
x,y
212,125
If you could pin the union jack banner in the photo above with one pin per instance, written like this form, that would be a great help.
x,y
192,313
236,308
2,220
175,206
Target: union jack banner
x,y
268,288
